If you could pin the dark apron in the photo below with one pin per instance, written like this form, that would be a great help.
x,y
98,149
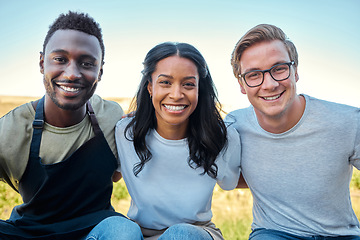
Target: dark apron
x,y
67,199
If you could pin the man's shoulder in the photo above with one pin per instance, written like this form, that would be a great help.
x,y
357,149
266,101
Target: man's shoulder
x,y
102,106
21,114
238,114
239,118
329,106
16,128
106,111
122,123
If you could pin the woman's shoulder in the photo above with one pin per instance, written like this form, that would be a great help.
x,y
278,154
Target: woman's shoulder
x,y
123,123
232,133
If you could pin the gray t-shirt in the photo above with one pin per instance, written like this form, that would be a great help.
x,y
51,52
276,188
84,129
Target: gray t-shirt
x,y
300,178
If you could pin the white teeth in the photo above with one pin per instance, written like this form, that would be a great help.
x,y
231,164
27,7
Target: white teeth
x,y
272,98
69,89
175,108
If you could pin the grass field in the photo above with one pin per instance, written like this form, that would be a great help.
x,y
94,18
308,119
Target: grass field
x,y
231,209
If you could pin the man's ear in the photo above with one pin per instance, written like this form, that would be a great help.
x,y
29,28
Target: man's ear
x,y
41,62
100,74
241,83
296,75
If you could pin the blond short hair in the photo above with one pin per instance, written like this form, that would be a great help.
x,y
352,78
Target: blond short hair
x,y
261,33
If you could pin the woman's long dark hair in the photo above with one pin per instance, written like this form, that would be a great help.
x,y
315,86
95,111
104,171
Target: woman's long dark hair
x,y
206,130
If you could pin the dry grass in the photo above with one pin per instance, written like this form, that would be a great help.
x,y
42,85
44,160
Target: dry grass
x,y
8,103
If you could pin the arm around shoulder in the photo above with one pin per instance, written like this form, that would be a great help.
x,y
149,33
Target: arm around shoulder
x,y
229,161
106,110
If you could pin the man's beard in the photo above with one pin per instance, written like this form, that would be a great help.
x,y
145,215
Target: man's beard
x,y
67,106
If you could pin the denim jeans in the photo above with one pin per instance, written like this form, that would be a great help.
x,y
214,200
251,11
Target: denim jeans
x,y
115,227
185,231
268,234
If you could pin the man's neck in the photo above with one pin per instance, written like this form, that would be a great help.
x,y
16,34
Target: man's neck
x,y
65,118
286,121
58,117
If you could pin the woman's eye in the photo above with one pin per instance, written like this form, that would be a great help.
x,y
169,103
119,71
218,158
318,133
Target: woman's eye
x,y
189,84
164,82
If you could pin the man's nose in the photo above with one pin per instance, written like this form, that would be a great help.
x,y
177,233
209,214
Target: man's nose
x,y
269,81
72,71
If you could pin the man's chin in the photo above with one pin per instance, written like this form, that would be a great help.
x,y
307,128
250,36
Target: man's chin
x,y
69,106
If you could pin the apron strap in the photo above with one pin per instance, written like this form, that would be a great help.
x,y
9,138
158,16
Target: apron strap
x,y
38,125
93,120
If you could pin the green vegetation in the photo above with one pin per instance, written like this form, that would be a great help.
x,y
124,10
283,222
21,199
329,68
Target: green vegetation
x,y
8,199
355,180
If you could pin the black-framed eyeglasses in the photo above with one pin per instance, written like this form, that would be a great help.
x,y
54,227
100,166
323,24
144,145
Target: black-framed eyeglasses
x,y
278,72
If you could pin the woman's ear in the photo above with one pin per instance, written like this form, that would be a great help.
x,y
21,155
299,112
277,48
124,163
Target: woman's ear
x,y
149,88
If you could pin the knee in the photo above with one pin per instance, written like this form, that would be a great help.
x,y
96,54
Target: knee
x,y
117,227
269,234
180,228
125,227
184,231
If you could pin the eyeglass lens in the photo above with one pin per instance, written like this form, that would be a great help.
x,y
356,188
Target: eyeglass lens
x,y
278,72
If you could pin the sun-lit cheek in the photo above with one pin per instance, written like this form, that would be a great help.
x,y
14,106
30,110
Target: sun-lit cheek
x,y
52,71
47,79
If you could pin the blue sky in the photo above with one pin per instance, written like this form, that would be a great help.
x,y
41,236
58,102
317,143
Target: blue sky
x,y
325,32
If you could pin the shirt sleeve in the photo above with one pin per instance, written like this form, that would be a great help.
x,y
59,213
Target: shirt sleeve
x,y
229,161
15,137
120,140
355,159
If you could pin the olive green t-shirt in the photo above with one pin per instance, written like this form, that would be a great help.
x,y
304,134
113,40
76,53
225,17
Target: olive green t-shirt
x,y
56,144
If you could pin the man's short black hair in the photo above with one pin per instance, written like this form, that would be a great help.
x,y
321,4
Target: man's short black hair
x,y
76,21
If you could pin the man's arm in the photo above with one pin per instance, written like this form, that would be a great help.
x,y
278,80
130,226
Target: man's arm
x,y
241,182
116,176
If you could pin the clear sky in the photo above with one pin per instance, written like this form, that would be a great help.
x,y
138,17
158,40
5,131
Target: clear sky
x,y
325,32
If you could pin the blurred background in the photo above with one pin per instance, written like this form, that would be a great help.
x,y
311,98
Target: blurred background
x,y
325,32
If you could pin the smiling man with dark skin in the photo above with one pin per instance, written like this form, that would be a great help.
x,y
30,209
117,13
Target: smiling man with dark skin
x,y
59,151
72,68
